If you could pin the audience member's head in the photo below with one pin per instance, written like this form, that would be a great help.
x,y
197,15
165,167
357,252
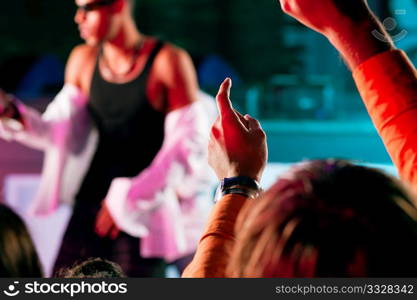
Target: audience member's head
x,y
93,268
328,219
18,257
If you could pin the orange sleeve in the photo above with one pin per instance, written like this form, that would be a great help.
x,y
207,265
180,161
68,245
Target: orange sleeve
x,y
388,86
216,245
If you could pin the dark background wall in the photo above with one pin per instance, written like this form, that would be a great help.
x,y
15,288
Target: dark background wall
x,y
247,33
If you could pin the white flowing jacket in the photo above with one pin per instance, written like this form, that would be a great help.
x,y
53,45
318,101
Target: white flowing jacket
x,y
166,205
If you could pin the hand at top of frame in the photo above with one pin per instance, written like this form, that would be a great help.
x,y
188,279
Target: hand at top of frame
x,y
105,225
348,24
237,144
325,16
8,109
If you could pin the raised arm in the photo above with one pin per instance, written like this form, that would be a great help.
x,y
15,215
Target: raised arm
x,y
386,79
348,25
8,109
237,147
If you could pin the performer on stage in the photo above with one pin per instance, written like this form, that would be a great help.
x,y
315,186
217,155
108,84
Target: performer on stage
x,y
127,128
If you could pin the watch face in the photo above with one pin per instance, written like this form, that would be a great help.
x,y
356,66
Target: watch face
x,y
221,185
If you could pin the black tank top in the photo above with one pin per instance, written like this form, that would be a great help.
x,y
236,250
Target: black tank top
x,y
131,131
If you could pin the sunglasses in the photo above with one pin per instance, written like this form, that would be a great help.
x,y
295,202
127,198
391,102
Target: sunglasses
x,y
95,5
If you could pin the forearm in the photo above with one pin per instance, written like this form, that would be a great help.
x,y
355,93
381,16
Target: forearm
x,y
11,112
388,86
387,82
23,124
52,127
217,242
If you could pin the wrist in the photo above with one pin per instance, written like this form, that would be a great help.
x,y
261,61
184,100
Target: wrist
x,y
356,41
6,110
10,111
237,172
3,108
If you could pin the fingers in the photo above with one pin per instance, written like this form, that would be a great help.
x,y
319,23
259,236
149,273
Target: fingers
x,y
223,98
242,119
101,227
252,123
285,6
98,223
3,99
114,233
103,223
225,105
105,227
215,132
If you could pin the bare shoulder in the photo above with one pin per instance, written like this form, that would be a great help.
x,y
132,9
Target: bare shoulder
x,y
173,62
173,55
81,59
175,70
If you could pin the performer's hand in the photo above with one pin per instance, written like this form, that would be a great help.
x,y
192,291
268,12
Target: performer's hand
x,y
348,24
237,144
4,102
105,226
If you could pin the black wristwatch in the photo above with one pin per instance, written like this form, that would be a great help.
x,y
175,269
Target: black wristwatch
x,y
241,185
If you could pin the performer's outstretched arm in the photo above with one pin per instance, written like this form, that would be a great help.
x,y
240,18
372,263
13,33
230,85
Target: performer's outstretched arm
x,y
42,131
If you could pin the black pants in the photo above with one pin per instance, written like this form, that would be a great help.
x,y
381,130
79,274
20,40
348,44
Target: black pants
x,y
80,242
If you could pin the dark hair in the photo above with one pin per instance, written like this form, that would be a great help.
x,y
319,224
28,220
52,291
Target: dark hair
x,y
328,219
93,268
18,257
